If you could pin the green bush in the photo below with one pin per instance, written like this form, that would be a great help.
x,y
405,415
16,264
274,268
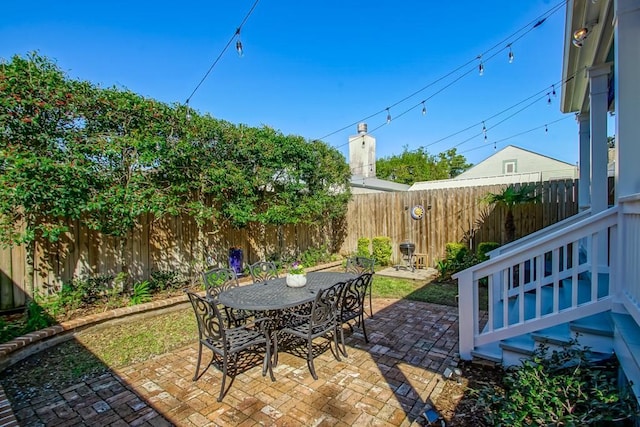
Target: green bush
x,y
485,247
162,280
562,388
382,250
363,247
314,256
458,258
456,252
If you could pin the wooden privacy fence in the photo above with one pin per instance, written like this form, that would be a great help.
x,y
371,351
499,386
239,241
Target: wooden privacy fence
x,y
452,215
179,244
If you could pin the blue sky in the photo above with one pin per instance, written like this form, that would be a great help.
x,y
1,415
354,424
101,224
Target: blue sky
x,y
312,68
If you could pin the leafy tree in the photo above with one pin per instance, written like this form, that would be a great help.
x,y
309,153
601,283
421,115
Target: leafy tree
x,y
70,150
419,165
512,196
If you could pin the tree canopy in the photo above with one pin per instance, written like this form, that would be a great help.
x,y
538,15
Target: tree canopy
x,y
72,150
418,165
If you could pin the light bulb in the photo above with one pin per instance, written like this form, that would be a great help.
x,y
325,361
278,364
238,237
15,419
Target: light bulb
x,y
239,48
424,109
548,99
481,69
510,56
388,116
553,90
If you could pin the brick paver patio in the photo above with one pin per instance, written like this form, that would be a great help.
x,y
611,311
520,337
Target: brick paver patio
x,y
384,383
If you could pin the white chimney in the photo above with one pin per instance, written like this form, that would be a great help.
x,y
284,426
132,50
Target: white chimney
x,y
362,153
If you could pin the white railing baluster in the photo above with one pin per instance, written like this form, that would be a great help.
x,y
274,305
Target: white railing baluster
x,y
505,299
595,266
555,269
521,292
574,274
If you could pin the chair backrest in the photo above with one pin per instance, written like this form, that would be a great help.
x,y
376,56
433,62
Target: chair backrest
x,y
353,295
217,280
262,271
211,325
360,264
325,306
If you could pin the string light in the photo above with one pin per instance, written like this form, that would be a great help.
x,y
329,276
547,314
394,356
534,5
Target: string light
x,y
548,98
546,129
239,48
511,56
388,116
424,109
484,131
480,66
188,115
514,37
553,90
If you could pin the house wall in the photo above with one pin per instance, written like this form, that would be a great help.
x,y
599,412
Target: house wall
x,y
523,161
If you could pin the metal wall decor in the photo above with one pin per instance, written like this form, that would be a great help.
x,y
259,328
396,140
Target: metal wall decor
x,y
417,212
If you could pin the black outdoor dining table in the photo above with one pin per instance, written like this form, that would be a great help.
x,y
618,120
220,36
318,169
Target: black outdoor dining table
x,y
274,294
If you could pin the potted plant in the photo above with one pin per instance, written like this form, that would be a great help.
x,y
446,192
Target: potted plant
x,y
296,277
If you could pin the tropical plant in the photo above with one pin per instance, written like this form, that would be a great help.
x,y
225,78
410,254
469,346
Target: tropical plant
x,y
511,196
140,294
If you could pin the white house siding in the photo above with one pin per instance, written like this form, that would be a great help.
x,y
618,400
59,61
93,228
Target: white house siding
x,y
523,162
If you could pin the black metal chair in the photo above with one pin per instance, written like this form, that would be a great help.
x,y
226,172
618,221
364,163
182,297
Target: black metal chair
x,y
321,321
218,280
227,344
351,306
358,265
262,271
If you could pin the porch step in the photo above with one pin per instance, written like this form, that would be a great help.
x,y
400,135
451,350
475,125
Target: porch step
x,y
490,352
627,348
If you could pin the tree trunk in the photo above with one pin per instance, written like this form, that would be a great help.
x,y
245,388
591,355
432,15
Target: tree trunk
x,y
509,227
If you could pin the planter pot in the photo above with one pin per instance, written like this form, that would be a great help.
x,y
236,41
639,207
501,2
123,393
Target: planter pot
x,y
296,280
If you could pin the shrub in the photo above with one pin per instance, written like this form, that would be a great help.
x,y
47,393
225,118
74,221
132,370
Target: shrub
x,y
363,247
456,251
485,247
314,256
382,250
162,280
561,388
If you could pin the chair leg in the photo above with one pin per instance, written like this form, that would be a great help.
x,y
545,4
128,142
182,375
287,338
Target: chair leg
x,y
344,347
195,376
364,329
224,377
312,368
370,304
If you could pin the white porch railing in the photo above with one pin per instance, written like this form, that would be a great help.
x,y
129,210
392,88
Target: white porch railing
x,y
539,234
540,283
629,248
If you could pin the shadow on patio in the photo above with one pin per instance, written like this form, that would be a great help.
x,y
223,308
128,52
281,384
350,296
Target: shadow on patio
x,y
385,382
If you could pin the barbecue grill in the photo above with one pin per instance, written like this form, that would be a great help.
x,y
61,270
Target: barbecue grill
x,y
407,249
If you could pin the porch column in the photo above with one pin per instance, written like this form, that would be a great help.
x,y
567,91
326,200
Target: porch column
x,y
627,69
584,183
598,109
